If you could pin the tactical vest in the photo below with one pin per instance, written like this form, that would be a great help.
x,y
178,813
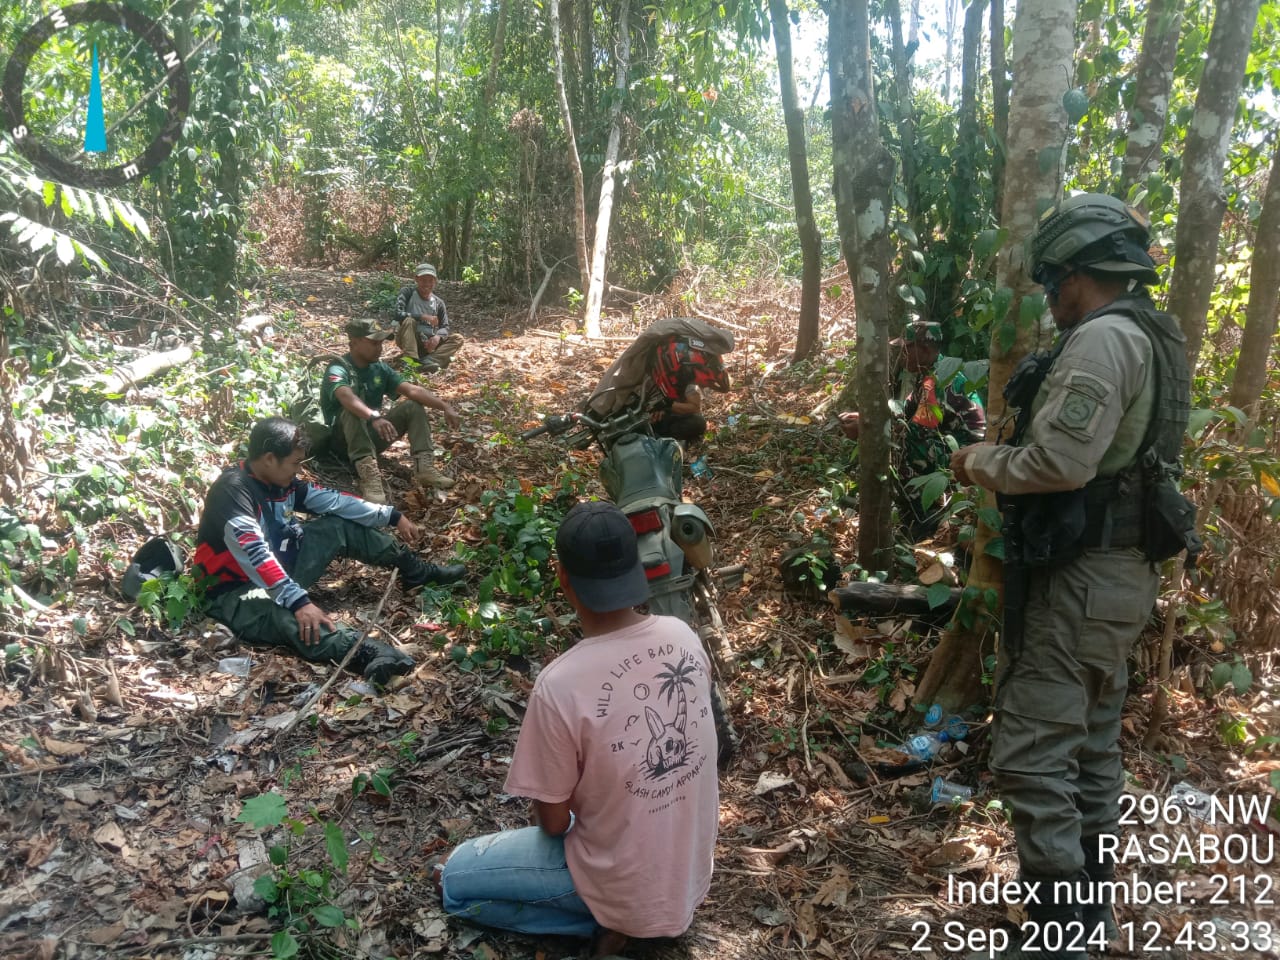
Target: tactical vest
x,y
1140,505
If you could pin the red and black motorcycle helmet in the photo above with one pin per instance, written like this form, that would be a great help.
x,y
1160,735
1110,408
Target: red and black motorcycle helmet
x,y
683,360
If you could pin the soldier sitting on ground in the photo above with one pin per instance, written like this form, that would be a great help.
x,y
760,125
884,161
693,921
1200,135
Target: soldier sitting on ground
x,y
351,396
260,560
422,330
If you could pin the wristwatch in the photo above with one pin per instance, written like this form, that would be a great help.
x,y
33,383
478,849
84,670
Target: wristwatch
x,y
374,415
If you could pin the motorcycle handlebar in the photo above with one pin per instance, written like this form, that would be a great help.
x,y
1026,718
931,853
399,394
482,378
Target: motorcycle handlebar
x,y
535,432
553,424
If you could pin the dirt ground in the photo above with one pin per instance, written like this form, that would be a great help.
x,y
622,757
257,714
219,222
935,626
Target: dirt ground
x,y
127,760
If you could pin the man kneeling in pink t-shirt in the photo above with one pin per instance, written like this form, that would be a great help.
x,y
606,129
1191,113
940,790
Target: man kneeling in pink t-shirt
x,y
618,754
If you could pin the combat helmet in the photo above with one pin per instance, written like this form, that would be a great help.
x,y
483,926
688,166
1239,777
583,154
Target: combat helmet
x,y
1096,231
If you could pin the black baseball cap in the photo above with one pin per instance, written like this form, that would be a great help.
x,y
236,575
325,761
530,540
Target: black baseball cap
x,y
597,550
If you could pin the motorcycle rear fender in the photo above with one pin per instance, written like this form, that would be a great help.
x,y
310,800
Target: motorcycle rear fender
x,y
657,548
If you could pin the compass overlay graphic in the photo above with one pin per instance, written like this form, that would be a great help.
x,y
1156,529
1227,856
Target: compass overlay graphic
x,y
64,163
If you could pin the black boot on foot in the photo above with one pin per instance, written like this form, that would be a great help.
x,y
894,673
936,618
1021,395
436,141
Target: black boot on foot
x,y
378,663
416,573
1099,911
1057,924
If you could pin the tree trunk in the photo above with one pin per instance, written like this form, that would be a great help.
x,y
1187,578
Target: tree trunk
x,y
798,157
1258,343
481,130
1152,83
967,196
949,16
228,65
571,145
604,212
863,174
999,101
906,114
1043,47
439,47
449,237
1202,198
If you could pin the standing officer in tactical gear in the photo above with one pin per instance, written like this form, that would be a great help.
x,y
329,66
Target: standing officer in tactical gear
x,y
1084,482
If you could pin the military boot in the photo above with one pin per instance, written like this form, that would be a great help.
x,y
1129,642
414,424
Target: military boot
x,y
378,663
1058,923
426,473
1099,909
370,480
416,572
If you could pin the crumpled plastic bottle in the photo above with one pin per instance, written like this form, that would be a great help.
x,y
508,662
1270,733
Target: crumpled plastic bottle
x,y
236,666
926,746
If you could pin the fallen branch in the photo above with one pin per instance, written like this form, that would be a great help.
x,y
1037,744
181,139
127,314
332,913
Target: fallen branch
x,y
622,293
883,599
717,321
135,371
315,697
578,338
29,600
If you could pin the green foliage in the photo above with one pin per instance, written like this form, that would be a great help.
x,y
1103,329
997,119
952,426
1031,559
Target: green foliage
x,y
505,615
302,897
264,810
884,672
1235,673
172,599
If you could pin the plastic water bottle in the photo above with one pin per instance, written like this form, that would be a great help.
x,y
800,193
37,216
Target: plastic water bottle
x,y
236,666
933,716
1196,801
956,728
699,467
945,793
926,746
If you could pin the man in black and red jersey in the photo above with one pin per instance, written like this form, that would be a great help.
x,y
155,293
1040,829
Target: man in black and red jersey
x,y
259,559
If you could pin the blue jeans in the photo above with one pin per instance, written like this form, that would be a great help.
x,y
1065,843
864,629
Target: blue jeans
x,y
516,880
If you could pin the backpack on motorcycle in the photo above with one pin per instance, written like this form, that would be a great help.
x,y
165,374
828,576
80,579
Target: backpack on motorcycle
x,y
304,409
681,361
635,367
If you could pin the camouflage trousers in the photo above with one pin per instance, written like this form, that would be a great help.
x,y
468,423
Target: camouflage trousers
x,y
1055,749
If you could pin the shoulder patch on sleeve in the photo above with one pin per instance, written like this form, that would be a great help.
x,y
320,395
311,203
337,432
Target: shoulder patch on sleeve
x,y
1081,407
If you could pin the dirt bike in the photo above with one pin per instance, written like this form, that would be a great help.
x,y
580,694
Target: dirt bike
x,y
642,474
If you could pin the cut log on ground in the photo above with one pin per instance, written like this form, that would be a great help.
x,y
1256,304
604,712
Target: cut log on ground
x,y
135,371
254,324
887,599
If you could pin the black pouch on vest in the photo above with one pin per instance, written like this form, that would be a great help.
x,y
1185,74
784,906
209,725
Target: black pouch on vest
x,y
1053,528
1170,520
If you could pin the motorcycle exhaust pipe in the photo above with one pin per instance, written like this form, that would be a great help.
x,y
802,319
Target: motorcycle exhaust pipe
x,y
691,537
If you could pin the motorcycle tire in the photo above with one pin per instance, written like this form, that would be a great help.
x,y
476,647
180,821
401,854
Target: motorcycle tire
x,y
709,626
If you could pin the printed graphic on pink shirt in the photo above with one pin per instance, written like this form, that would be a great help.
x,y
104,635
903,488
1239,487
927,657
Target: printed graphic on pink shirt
x,y
664,696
